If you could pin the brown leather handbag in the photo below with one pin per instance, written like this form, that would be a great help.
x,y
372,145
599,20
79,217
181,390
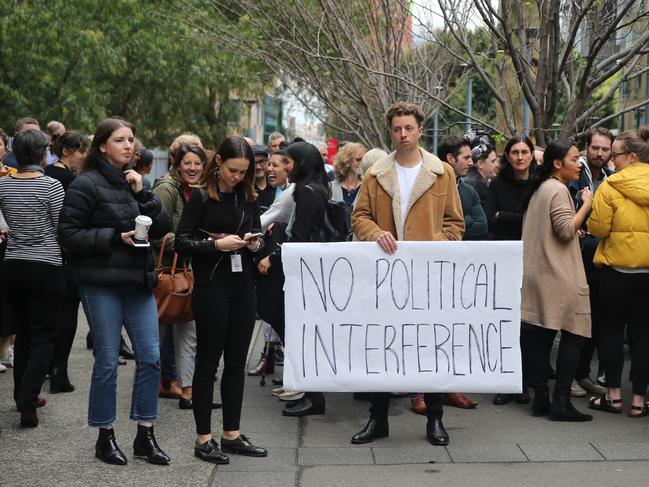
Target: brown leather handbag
x,y
173,294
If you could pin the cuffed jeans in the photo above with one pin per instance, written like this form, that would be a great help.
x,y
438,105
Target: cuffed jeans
x,y
106,309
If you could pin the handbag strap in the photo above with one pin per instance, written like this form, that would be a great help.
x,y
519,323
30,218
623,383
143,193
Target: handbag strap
x,y
174,262
162,249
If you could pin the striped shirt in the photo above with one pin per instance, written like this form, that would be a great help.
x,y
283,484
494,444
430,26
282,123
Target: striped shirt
x,y
31,208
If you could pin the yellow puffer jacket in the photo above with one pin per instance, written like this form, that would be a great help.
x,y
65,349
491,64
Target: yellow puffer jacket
x,y
620,217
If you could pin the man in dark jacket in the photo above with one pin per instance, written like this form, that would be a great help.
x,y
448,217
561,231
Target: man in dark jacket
x,y
457,152
599,142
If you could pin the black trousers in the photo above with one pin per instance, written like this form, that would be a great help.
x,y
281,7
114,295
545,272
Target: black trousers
x,y
380,405
35,292
224,310
68,326
536,343
622,300
587,351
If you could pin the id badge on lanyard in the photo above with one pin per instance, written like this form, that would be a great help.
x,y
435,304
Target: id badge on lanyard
x,y
235,262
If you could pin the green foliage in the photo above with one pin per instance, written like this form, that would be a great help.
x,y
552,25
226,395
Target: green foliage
x,y
79,61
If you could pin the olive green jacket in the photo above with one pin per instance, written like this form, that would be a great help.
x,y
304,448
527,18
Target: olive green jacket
x,y
170,192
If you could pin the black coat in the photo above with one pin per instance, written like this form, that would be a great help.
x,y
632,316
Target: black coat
x,y
98,207
232,215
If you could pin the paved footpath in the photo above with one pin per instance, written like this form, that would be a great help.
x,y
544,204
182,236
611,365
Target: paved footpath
x,y
492,445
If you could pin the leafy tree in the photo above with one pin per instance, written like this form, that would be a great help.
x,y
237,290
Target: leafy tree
x,y
80,61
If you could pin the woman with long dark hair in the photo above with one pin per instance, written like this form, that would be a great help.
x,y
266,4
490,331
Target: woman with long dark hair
x,y
306,171
32,272
504,209
555,291
173,189
218,229
508,189
71,149
116,279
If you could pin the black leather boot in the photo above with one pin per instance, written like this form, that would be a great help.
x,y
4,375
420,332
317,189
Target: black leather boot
x,y
145,446
436,433
374,429
541,404
563,410
106,448
59,380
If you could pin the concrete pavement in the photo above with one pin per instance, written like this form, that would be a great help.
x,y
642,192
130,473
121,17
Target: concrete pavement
x,y
492,445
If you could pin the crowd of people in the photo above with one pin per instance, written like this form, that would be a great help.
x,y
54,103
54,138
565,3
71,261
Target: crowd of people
x,y
69,205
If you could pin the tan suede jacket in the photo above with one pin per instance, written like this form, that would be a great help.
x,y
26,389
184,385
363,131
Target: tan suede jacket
x,y
434,209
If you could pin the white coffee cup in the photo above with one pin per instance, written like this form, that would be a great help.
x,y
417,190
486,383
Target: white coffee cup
x,y
142,224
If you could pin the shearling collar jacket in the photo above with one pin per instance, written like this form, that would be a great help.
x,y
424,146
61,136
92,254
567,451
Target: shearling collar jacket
x,y
434,210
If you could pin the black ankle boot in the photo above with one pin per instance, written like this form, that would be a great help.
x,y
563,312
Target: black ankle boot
x,y
563,410
375,428
145,446
59,380
541,404
106,448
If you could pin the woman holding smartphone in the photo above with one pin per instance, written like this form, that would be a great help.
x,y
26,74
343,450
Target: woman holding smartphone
x,y
219,229
115,283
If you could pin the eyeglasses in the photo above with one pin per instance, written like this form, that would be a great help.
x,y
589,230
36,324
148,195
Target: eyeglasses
x,y
617,154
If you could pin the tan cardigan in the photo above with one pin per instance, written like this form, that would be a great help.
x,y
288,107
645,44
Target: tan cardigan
x,y
555,292
434,210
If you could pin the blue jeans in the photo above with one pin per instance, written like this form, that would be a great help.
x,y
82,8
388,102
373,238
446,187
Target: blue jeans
x,y
106,309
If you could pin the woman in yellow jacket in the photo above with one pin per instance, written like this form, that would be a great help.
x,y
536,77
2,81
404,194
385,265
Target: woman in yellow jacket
x,y
620,218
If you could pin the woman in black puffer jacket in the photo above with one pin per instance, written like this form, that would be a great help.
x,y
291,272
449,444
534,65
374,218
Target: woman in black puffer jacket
x,y
115,281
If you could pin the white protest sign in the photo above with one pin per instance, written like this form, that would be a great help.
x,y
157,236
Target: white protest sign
x,y
433,317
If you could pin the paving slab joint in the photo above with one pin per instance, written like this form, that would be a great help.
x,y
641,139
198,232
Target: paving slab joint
x,y
595,448
523,452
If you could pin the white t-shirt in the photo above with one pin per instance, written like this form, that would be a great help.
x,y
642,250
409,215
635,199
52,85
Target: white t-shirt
x,y
407,176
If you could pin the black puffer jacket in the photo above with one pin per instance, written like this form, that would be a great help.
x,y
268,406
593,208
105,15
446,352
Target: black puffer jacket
x,y
99,205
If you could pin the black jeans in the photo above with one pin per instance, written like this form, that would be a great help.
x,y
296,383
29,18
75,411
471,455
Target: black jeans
x,y
380,404
622,300
35,292
224,311
536,343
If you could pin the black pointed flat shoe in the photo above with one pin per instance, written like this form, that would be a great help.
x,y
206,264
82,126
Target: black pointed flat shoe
x,y
242,446
210,452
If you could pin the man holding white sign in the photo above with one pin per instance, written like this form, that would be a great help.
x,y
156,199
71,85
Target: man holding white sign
x,y
408,195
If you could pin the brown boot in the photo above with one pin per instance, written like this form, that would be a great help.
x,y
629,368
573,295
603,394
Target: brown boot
x,y
170,388
459,400
417,404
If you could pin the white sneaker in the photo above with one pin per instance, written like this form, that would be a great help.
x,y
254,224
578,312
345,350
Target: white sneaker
x,y
576,390
8,360
277,391
290,396
3,369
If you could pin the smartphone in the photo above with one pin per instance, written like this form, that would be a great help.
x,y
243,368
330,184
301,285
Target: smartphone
x,y
139,243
